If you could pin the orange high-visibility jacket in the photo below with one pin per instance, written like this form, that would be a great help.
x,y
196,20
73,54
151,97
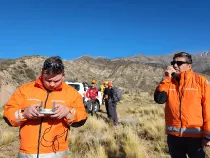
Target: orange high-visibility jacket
x,y
187,109
52,134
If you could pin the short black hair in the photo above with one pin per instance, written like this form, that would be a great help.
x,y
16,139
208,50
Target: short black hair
x,y
186,55
53,65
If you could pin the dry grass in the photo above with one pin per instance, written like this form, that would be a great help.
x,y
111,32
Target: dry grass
x,y
7,137
140,136
97,152
1,114
133,146
140,133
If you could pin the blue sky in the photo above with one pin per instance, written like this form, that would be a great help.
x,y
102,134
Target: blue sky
x,y
108,28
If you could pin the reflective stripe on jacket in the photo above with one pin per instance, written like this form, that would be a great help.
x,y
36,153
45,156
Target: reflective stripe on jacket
x,y
187,110
63,154
54,132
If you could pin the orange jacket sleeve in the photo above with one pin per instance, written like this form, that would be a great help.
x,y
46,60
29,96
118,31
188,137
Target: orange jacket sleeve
x,y
77,112
164,84
161,92
13,113
206,107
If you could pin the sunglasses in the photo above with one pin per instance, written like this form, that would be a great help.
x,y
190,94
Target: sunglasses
x,y
179,63
48,65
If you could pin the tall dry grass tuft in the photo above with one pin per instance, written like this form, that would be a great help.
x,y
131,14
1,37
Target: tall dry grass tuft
x,y
132,144
96,124
91,136
7,137
1,111
97,152
1,114
153,128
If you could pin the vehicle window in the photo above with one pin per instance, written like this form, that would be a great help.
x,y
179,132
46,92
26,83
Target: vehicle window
x,y
76,86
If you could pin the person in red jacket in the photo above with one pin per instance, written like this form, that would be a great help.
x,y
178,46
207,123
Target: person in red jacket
x,y
187,108
44,110
92,92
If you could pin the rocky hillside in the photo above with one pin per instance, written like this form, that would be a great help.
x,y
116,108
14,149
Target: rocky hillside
x,y
129,75
133,74
201,61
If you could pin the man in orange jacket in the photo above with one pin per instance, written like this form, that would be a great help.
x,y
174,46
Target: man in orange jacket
x,y
187,109
44,110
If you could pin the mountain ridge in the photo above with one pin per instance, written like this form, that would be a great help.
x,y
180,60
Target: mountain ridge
x,y
133,74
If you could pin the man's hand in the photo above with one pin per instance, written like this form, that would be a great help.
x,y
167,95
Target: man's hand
x,y
60,112
205,143
170,69
106,97
31,112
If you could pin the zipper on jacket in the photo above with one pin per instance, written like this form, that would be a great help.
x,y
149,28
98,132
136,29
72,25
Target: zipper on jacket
x,y
180,111
40,126
180,106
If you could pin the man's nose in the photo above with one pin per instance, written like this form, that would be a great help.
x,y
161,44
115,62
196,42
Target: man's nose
x,y
175,65
52,84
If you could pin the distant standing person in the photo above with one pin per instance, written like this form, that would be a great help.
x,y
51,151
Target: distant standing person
x,y
92,94
102,87
112,105
45,135
106,100
187,108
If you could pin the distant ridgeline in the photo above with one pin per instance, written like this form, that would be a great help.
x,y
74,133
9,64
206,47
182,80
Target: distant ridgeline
x,y
133,74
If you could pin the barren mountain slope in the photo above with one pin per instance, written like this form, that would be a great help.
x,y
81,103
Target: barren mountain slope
x,y
133,74
129,75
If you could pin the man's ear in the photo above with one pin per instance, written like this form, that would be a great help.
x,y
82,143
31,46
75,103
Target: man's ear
x,y
190,66
63,76
41,71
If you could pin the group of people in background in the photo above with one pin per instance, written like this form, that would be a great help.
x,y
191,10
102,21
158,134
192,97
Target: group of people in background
x,y
107,95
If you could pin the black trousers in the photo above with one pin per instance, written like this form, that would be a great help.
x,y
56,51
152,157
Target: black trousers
x,y
180,147
107,109
113,111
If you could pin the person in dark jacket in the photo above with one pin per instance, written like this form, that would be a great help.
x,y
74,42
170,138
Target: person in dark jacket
x,y
105,98
112,110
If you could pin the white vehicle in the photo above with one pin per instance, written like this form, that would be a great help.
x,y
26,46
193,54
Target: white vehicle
x,y
82,89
